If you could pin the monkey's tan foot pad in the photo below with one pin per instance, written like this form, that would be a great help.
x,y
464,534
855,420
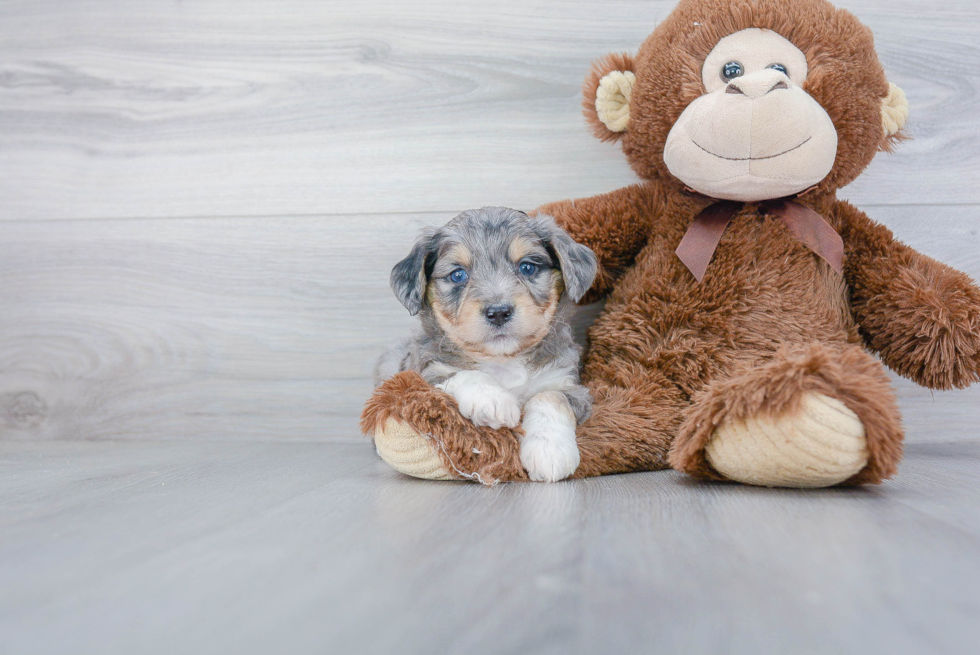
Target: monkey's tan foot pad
x,y
820,445
408,452
419,431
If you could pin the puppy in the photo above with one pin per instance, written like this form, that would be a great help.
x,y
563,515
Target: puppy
x,y
493,289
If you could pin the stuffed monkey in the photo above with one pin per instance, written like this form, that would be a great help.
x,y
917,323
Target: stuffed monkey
x,y
745,300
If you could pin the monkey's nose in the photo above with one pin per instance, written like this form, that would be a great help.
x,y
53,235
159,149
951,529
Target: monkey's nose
x,y
499,314
758,84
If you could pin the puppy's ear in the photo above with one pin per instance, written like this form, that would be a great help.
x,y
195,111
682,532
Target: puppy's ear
x,y
409,276
578,263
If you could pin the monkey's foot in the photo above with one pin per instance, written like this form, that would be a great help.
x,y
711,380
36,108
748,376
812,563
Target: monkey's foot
x,y
408,452
814,415
820,444
419,431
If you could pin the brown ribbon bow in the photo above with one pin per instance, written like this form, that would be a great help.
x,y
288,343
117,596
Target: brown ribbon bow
x,y
701,239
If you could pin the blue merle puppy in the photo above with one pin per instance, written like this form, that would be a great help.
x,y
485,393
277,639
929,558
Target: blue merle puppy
x,y
493,289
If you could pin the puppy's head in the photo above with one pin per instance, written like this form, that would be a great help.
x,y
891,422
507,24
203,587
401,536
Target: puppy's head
x,y
492,279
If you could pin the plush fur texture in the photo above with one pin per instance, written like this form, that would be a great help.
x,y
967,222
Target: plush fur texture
x,y
470,452
670,358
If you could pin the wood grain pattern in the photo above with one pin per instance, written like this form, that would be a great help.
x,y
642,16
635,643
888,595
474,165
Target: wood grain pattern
x,y
200,203
252,328
312,548
260,108
195,328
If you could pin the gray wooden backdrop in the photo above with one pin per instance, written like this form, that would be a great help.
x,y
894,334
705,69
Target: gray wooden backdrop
x,y
200,201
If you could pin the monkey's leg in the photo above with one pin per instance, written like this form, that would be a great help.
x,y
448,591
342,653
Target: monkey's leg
x,y
813,416
419,431
631,427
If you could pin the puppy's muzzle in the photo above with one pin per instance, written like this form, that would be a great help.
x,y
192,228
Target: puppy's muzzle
x,y
499,314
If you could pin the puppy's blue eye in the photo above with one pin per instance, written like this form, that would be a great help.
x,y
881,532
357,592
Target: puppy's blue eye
x,y
527,268
779,67
458,276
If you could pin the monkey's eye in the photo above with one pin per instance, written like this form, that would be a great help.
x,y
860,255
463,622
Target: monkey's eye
x,y
731,70
780,68
458,276
527,268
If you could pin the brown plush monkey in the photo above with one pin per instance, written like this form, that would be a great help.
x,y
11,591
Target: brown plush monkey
x,y
743,296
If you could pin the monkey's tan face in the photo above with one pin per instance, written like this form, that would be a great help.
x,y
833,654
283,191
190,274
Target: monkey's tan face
x,y
495,300
755,134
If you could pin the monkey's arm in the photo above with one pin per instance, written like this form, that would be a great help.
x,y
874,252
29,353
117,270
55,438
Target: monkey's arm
x,y
922,317
614,225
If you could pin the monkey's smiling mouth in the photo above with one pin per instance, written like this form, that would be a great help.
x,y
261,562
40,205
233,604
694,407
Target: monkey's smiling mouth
x,y
796,147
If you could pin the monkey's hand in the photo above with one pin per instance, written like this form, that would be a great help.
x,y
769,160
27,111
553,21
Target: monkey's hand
x,y
925,323
921,316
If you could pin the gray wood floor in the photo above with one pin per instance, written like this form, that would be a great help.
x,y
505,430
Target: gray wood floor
x,y
167,547
199,206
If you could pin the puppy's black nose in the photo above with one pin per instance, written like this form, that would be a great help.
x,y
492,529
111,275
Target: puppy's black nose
x,y
499,314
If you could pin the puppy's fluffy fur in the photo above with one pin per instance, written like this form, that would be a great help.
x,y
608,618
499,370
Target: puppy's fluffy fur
x,y
493,289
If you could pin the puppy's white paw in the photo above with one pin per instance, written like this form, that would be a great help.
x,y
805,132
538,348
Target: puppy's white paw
x,y
548,450
548,459
493,408
482,400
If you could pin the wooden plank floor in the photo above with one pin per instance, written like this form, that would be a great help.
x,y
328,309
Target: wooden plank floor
x,y
199,206
150,547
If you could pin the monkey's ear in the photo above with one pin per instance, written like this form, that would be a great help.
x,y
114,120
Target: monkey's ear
x,y
409,277
894,114
607,93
